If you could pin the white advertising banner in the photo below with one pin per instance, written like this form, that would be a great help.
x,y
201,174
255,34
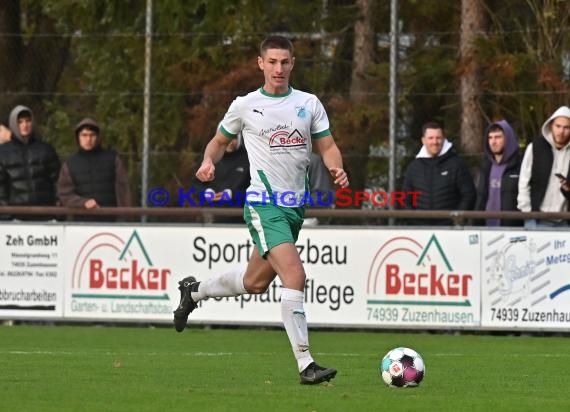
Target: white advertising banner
x,y
124,272
31,276
362,277
355,277
418,278
526,280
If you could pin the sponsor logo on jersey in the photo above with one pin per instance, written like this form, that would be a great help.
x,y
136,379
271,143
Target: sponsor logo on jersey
x,y
285,140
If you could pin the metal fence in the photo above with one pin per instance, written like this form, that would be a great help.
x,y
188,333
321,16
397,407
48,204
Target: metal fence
x,y
352,216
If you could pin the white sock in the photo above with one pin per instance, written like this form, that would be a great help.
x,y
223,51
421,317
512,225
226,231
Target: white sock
x,y
295,323
226,284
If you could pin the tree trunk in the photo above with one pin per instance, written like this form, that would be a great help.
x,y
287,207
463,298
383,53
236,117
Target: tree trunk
x,y
31,69
363,51
363,56
472,25
10,50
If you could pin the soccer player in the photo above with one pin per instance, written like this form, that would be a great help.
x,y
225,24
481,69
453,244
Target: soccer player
x,y
279,125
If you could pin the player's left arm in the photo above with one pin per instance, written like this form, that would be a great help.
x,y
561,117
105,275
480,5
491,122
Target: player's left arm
x,y
332,158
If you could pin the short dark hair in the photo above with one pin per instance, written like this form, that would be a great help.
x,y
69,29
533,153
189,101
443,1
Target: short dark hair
x,y
24,113
90,127
430,125
275,42
495,128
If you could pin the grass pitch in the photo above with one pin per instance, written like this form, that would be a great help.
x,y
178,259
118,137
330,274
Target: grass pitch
x,y
88,368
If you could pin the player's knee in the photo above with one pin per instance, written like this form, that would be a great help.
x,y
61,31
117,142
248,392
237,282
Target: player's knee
x,y
297,282
256,288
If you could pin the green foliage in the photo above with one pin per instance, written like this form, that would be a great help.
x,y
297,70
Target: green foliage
x,y
428,85
204,55
525,71
194,45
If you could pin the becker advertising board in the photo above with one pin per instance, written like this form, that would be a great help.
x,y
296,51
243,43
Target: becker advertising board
x,y
526,279
116,273
132,273
424,278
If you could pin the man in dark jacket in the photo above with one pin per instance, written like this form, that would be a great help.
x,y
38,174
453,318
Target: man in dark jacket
x,y
94,176
28,166
440,175
229,187
499,178
320,188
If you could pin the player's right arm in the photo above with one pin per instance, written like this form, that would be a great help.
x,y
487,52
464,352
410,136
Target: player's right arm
x,y
214,152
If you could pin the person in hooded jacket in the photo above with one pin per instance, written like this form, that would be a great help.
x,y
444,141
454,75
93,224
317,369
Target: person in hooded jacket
x,y
440,175
28,166
545,170
93,177
499,177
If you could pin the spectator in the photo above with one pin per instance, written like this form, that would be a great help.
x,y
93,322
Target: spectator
x,y
93,177
320,187
499,178
232,180
440,175
543,184
28,166
5,133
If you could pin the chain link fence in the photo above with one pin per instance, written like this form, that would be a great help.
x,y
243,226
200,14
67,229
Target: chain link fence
x,y
66,72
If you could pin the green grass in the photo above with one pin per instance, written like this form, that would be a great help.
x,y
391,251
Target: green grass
x,y
88,368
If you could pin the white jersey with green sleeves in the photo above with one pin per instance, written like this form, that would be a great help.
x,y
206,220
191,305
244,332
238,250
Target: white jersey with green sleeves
x,y
277,130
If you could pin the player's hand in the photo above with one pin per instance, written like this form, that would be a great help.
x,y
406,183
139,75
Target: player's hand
x,y
339,175
226,193
206,172
211,196
564,185
90,204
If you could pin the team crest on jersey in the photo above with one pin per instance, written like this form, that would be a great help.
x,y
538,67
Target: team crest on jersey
x,y
301,113
284,141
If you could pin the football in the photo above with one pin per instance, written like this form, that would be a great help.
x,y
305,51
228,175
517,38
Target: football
x,y
402,367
